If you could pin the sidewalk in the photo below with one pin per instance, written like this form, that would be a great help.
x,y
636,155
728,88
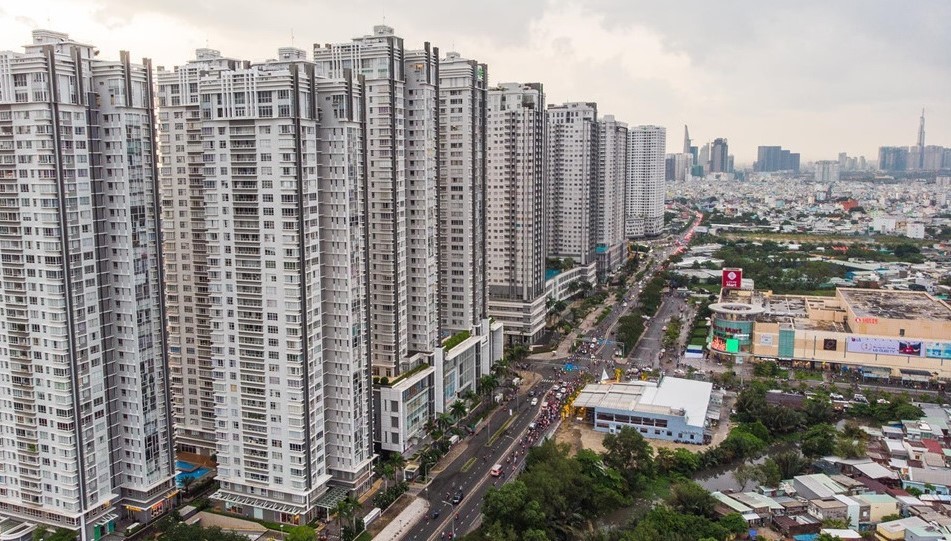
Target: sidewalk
x,y
586,325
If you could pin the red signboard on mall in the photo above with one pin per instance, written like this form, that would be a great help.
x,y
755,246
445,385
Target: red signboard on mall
x,y
732,278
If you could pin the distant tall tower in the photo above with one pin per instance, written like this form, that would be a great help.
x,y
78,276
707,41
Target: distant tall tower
x,y
686,140
921,141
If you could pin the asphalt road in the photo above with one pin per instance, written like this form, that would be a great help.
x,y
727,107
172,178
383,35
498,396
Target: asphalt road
x,y
469,472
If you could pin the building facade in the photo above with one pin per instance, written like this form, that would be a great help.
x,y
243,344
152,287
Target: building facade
x,y
827,171
876,334
85,404
719,157
645,181
572,177
284,219
516,209
608,209
184,239
404,177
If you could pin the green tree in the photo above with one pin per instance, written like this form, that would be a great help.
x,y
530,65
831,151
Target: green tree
x,y
629,453
691,498
458,409
790,463
300,533
734,523
818,441
818,410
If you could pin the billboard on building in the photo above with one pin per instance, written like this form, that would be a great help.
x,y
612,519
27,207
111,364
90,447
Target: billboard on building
x,y
938,350
731,278
884,346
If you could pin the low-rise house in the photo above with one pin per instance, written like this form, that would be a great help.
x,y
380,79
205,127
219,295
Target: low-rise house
x,y
791,506
829,509
879,506
928,480
762,505
852,486
840,533
816,486
795,525
928,532
894,530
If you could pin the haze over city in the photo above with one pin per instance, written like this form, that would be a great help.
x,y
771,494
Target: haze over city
x,y
814,76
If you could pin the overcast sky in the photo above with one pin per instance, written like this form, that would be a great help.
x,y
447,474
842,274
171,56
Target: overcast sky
x,y
815,76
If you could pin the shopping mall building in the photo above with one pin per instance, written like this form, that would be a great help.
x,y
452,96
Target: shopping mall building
x,y
903,335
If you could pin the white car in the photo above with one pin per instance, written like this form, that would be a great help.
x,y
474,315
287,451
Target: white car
x,y
535,401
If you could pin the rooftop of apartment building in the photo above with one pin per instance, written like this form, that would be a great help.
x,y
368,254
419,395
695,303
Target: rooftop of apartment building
x,y
891,304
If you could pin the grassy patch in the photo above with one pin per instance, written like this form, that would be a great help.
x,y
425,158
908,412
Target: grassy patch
x,y
808,374
465,467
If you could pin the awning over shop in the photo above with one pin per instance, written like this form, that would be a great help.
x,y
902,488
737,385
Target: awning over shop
x,y
909,374
330,498
876,372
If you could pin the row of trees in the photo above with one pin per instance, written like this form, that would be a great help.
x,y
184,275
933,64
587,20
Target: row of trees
x,y
559,496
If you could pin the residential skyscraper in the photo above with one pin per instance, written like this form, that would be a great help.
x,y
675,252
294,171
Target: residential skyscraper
x,y
719,156
609,195
284,224
827,171
86,406
893,158
414,377
462,141
921,141
572,174
184,237
515,208
645,180
775,158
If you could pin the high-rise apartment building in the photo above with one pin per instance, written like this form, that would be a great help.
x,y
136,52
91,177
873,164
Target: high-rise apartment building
x,y
85,406
402,221
645,180
719,156
775,158
515,209
275,196
186,247
462,192
572,175
827,171
892,158
608,208
414,377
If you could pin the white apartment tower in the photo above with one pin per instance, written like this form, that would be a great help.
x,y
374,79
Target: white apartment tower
x,y
284,206
402,112
645,180
87,418
462,142
515,209
413,377
186,249
609,195
572,177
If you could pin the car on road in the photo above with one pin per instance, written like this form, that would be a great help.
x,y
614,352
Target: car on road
x,y
535,401
435,514
458,496
496,470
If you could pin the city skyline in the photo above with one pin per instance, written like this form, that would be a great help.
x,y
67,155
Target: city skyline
x,y
709,68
